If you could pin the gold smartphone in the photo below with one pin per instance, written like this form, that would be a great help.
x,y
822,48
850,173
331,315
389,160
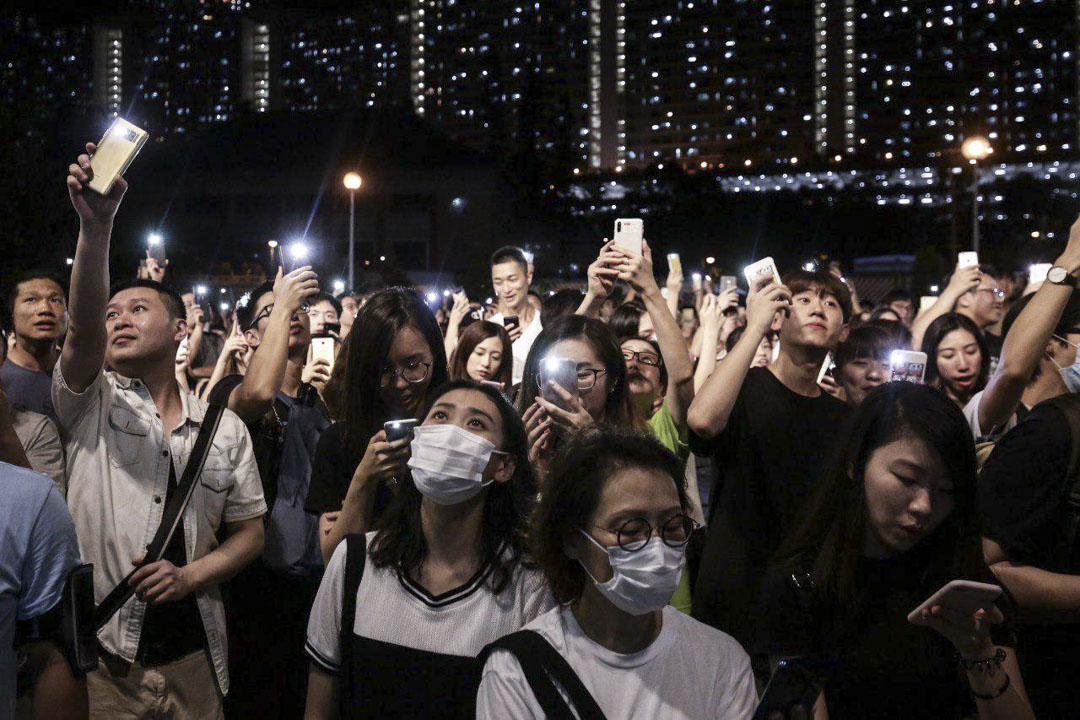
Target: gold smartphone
x,y
118,147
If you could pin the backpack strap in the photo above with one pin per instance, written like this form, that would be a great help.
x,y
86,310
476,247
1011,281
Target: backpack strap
x,y
355,559
1069,405
541,663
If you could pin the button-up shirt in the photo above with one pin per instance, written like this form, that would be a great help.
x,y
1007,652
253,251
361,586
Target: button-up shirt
x,y
119,474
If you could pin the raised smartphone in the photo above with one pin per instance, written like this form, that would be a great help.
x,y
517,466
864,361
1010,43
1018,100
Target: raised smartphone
x,y
674,263
907,366
629,233
965,596
1037,272
562,371
323,347
967,259
727,282
926,302
118,147
761,273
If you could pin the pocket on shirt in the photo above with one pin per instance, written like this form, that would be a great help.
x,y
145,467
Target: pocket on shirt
x,y
217,470
129,435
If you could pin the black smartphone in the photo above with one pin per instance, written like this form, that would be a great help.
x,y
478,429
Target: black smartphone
x,y
797,681
398,429
334,328
511,322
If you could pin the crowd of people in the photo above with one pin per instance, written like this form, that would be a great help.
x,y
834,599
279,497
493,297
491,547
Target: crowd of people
x,y
630,501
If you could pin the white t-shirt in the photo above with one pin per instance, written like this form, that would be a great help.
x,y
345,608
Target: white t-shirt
x,y
523,344
971,414
690,672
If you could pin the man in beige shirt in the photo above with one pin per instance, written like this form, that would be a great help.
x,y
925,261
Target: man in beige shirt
x,y
128,434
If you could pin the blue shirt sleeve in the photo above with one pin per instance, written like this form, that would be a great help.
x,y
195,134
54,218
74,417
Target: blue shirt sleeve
x,y
52,554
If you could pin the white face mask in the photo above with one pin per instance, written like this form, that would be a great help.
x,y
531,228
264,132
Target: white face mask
x,y
448,463
643,581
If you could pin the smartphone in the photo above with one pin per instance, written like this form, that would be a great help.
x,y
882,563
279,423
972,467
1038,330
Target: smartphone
x,y
1037,272
827,368
926,302
155,245
118,147
332,328
761,273
323,347
696,280
907,366
558,370
398,429
727,282
797,681
511,322
629,233
674,263
964,596
967,259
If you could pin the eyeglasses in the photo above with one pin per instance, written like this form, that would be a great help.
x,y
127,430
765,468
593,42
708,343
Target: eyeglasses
x,y
997,293
414,372
645,357
265,313
635,532
586,378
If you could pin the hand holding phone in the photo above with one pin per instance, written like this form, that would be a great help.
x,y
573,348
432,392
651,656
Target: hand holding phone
x,y
907,366
323,348
797,682
400,429
727,282
674,263
967,259
827,368
562,371
114,154
761,273
629,234
962,596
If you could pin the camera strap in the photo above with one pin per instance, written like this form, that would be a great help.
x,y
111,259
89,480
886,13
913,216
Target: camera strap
x,y
171,516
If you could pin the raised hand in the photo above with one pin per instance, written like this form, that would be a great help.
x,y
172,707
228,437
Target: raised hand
x,y
637,270
290,291
762,306
603,272
93,209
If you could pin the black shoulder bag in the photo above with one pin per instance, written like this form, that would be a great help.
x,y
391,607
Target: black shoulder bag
x,y
171,517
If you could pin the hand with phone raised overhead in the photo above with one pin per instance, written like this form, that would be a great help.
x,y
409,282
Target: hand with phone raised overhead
x,y
763,304
604,271
293,289
93,209
154,270
637,270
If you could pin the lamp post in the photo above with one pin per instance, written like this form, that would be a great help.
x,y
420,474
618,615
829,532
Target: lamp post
x,y
974,149
352,182
272,244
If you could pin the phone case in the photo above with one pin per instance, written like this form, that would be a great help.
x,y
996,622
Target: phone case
x,y
629,233
965,596
926,302
826,367
564,372
967,259
674,263
756,273
398,429
323,348
907,366
118,147
727,282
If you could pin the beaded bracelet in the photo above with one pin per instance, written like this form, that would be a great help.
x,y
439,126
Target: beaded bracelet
x,y
989,665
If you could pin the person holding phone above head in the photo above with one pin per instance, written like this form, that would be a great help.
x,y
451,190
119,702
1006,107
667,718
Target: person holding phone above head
x,y
444,574
601,397
511,277
957,360
892,521
610,534
129,435
985,306
741,414
862,364
395,359
483,354
37,301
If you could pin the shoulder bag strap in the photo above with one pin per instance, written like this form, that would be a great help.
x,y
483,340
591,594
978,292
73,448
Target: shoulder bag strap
x,y
540,663
171,516
355,559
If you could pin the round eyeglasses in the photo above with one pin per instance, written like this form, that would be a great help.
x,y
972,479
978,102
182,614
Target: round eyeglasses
x,y
634,533
414,372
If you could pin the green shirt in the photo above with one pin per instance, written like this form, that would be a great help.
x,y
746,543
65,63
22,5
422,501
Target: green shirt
x,y
664,428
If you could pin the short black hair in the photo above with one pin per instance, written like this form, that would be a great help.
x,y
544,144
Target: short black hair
x,y
509,253
897,294
824,283
1069,321
13,284
245,309
323,296
173,302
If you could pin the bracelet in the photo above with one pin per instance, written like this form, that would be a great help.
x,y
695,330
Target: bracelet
x,y
999,693
989,665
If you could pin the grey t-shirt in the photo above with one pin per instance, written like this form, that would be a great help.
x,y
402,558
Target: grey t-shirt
x,y
28,389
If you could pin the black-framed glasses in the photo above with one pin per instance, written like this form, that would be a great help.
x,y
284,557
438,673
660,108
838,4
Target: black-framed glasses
x,y
414,372
634,533
265,313
586,378
645,357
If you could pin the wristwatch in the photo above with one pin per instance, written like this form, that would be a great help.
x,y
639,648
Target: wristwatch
x,y
1060,276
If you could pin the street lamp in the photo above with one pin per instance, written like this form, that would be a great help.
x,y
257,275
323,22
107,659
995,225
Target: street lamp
x,y
272,244
974,149
352,182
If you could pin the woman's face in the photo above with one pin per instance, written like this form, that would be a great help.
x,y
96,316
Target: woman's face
x,y
485,360
908,495
582,353
958,362
860,376
763,356
473,411
642,379
409,355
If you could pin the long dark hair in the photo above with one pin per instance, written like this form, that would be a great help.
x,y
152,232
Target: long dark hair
x,y
618,406
626,319
937,332
383,316
830,535
400,540
472,336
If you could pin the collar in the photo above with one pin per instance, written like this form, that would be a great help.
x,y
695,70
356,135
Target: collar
x,y
192,409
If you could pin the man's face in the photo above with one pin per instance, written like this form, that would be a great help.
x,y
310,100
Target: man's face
x,y
989,303
139,330
816,320
322,313
902,308
349,308
511,283
40,310
299,326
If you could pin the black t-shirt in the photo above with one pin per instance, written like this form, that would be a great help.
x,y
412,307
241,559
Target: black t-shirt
x,y
766,462
332,470
886,667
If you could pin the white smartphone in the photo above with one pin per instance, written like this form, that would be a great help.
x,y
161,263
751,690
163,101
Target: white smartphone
x,y
182,350
323,347
926,302
1037,272
727,282
907,366
826,368
674,263
629,233
398,429
967,259
118,147
696,281
761,273
965,596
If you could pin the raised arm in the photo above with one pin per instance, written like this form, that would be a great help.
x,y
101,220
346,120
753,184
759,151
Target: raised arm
x,y
712,407
712,320
963,280
1026,341
453,327
602,275
84,349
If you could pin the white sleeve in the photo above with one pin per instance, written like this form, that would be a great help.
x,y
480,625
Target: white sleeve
x,y
538,597
504,691
323,644
971,414
739,699
70,406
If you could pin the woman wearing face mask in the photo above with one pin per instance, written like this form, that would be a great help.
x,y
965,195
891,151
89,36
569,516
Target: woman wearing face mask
x,y
957,360
601,397
480,354
893,521
610,534
862,364
395,357
441,578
